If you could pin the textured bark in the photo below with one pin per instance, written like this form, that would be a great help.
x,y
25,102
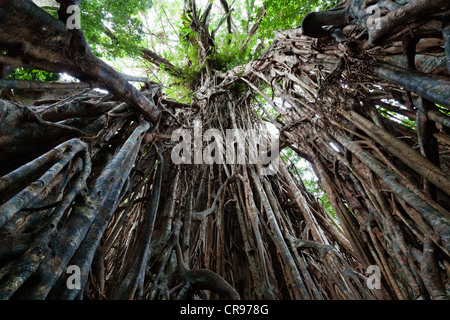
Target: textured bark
x,y
86,181
65,51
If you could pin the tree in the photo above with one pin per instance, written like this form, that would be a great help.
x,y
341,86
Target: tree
x,y
88,179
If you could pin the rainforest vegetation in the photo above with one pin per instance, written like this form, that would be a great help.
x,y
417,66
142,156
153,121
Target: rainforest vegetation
x,y
351,100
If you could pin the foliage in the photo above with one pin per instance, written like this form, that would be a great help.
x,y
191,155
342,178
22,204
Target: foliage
x,y
33,74
230,52
113,28
288,14
268,237
179,92
397,117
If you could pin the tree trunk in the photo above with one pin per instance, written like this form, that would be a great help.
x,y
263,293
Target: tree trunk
x,y
90,181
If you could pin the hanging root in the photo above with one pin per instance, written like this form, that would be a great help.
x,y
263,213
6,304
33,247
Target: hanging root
x,y
86,182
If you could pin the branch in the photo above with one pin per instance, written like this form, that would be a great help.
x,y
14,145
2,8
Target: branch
x,y
151,57
65,51
158,60
227,12
135,78
179,105
412,11
207,14
313,22
254,28
225,17
200,216
428,87
202,279
38,85
62,11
